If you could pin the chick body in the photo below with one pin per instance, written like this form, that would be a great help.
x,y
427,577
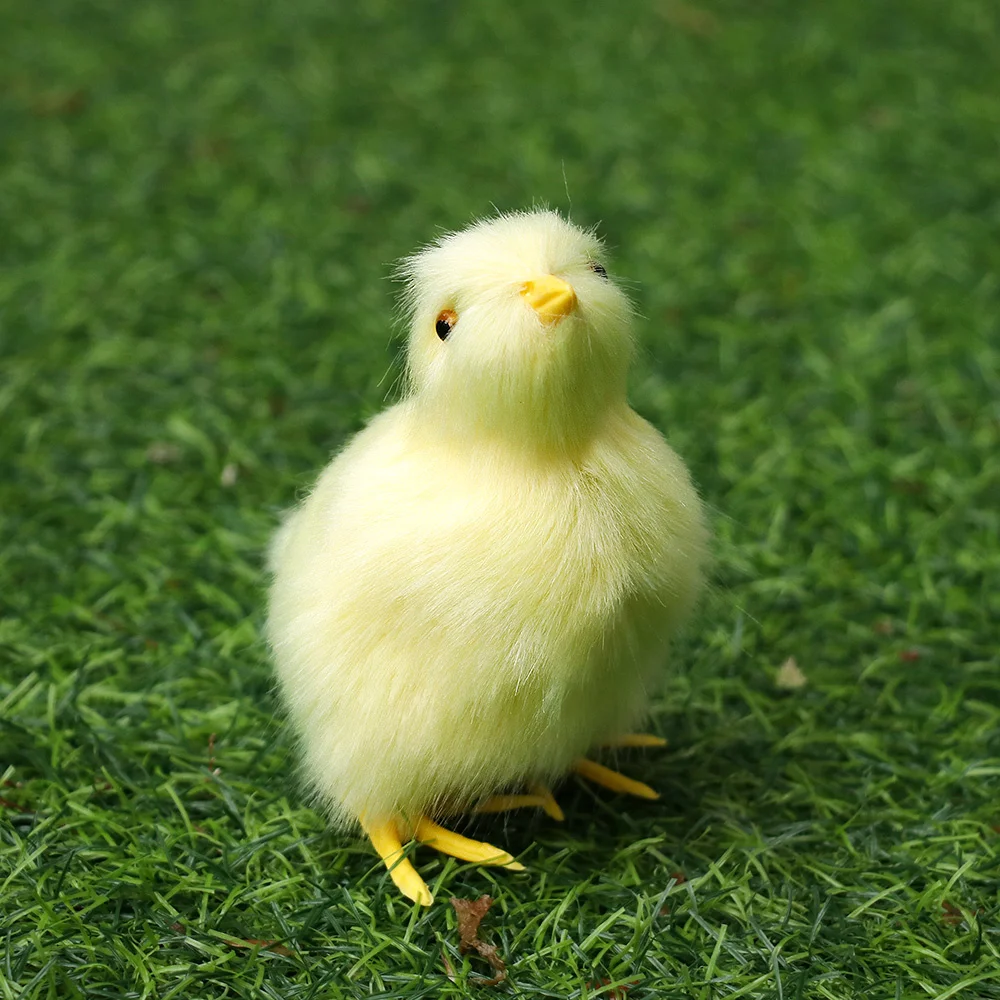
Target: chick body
x,y
483,583
452,623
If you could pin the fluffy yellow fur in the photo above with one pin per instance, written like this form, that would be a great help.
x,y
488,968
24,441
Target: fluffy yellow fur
x,y
483,583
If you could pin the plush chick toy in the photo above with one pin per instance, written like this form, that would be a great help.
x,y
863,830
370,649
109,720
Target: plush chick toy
x,y
482,585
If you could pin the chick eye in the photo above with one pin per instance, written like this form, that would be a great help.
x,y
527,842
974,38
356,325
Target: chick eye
x,y
446,321
598,269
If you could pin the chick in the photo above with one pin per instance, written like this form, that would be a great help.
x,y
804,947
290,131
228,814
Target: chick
x,y
482,585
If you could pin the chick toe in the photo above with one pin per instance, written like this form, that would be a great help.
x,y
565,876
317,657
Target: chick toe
x,y
604,776
385,839
636,740
504,803
463,848
548,802
538,797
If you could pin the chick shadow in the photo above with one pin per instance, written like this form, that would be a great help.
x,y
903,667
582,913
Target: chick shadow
x,y
703,779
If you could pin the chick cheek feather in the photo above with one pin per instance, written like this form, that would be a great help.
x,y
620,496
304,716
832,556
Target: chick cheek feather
x,y
482,586
530,385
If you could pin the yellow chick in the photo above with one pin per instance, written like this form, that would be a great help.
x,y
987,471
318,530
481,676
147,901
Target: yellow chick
x,y
482,585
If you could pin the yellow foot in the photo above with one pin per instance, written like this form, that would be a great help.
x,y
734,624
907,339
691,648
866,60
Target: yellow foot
x,y
447,842
539,798
548,803
385,840
601,775
637,740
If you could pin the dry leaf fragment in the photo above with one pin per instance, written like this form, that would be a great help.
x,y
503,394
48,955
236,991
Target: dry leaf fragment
x,y
689,18
882,118
790,677
278,949
7,804
616,992
59,102
162,453
208,148
212,769
470,913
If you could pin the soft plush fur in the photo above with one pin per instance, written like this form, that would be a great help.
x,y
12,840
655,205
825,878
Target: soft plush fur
x,y
483,583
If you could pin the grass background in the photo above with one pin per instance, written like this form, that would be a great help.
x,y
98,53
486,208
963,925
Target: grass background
x,y
199,205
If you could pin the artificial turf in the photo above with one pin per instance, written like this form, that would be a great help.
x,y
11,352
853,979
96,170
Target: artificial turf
x,y
199,206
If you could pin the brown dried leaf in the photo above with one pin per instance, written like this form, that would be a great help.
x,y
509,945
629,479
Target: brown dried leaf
x,y
209,148
449,969
489,952
212,769
278,949
882,118
470,913
59,102
689,18
7,804
163,453
358,205
616,992
790,677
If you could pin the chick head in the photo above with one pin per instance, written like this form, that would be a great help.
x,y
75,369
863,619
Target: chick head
x,y
517,330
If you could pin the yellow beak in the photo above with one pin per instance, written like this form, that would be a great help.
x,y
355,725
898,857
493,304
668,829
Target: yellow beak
x,y
550,297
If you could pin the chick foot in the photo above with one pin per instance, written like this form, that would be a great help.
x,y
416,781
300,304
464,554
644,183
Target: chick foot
x,y
604,776
539,797
385,838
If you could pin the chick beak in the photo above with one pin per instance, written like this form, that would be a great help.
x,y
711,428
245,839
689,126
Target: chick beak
x,y
550,297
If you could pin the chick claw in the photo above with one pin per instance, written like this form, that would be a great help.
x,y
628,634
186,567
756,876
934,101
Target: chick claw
x,y
604,776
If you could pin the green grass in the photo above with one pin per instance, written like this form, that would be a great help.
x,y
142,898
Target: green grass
x,y
199,205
